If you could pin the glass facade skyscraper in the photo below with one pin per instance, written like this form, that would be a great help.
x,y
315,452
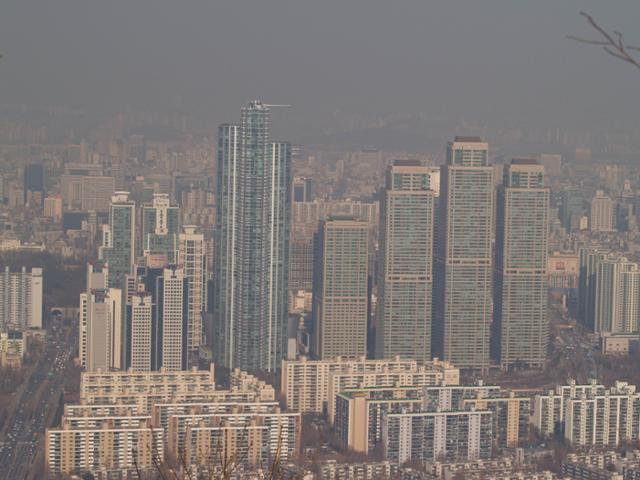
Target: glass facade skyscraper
x,y
462,311
403,317
521,325
118,241
160,228
251,242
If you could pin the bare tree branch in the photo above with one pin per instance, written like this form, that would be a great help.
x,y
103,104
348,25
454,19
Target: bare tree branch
x,y
612,43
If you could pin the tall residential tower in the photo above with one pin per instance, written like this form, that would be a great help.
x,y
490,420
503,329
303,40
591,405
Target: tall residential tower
x,y
403,317
521,325
463,269
252,243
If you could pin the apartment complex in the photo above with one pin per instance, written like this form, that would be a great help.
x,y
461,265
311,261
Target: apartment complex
x,y
130,419
307,386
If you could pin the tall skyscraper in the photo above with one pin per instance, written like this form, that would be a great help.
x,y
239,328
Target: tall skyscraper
x,y
403,317
521,325
341,289
21,298
104,329
252,243
34,186
192,259
160,228
464,271
118,241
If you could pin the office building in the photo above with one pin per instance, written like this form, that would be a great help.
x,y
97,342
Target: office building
x,y
521,325
193,260
160,228
310,386
404,309
252,243
53,208
97,275
302,189
571,208
341,289
464,262
118,241
34,184
601,214
104,330
86,191
21,299
430,436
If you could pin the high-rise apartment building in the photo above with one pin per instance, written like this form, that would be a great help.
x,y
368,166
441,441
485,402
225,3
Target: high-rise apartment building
x,y
252,243
160,228
171,314
464,262
609,292
601,215
403,317
118,241
104,329
521,325
192,259
139,326
21,299
616,293
341,289
589,258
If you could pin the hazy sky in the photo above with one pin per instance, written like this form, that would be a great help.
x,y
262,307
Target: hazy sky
x,y
489,59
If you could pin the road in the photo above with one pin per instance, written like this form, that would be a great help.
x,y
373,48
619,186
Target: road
x,y
24,432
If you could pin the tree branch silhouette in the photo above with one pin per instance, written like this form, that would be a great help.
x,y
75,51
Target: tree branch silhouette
x,y
613,43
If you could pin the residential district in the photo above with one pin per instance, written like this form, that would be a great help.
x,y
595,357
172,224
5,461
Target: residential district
x,y
228,306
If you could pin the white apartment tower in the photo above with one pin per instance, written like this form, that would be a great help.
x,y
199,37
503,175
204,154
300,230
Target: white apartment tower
x,y
192,258
21,294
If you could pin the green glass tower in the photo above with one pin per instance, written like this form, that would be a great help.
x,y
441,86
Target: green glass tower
x,y
118,240
160,228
